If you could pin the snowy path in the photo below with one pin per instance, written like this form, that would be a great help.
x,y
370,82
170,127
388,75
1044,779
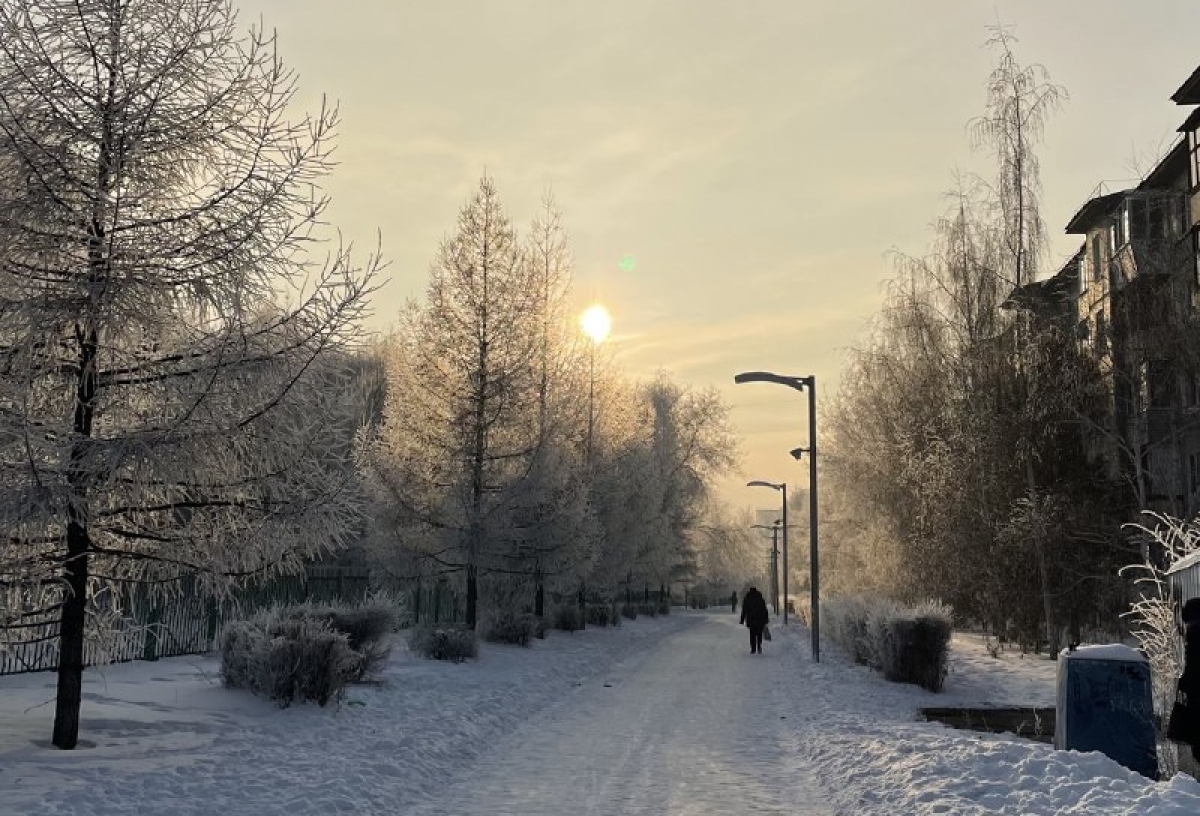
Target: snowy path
x,y
692,725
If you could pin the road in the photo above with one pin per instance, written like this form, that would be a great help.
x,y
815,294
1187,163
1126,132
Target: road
x,y
693,725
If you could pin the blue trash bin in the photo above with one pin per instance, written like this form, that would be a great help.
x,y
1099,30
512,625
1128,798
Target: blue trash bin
x,y
1105,703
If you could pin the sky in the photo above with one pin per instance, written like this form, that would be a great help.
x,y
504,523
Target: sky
x,y
734,174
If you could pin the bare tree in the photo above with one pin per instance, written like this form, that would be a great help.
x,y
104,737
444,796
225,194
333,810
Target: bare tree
x,y
158,418
1020,100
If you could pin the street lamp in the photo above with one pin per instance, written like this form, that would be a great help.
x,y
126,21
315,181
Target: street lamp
x,y
596,324
773,560
782,487
808,384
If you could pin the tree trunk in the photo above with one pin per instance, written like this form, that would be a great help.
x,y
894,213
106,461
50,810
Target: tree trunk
x,y
582,604
472,595
539,596
74,611
70,640
416,604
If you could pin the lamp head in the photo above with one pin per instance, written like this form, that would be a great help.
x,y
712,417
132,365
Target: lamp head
x,y
760,483
798,452
766,376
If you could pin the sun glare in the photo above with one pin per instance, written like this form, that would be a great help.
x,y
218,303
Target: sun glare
x,y
596,323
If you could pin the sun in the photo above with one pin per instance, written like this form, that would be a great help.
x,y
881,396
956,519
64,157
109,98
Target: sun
x,y
596,323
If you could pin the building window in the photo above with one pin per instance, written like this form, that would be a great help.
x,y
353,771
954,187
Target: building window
x,y
1159,384
1194,164
1193,473
1097,260
1191,389
1101,334
1196,254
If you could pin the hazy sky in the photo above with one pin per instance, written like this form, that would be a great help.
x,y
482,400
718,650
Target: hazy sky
x,y
756,158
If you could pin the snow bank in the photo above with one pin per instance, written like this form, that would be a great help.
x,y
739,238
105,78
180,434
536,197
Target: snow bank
x,y
877,759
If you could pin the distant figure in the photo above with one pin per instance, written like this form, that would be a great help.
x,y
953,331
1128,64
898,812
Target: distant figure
x,y
733,601
754,615
1185,714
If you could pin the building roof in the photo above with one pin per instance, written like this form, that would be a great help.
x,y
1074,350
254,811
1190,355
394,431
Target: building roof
x,y
1191,123
1049,290
1172,167
1095,210
1189,91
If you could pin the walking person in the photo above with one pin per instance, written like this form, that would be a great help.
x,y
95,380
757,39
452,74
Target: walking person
x,y
754,616
1184,725
733,601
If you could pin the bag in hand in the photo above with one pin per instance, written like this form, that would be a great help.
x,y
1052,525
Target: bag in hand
x,y
766,633
1181,727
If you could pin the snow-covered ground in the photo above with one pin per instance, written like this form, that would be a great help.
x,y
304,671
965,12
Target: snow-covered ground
x,y
167,738
876,758
670,716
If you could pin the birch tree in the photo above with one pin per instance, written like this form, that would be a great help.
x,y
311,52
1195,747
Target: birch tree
x,y
162,324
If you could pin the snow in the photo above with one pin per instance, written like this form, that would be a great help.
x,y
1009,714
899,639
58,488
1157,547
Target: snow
x,y
881,761
1106,651
1185,562
670,716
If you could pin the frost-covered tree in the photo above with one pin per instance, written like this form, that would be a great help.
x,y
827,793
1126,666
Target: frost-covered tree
x,y
652,481
461,423
164,389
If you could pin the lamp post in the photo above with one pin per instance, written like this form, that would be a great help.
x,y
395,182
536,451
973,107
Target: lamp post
x,y
773,560
808,384
782,487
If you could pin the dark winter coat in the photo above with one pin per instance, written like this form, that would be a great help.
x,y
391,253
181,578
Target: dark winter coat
x,y
754,610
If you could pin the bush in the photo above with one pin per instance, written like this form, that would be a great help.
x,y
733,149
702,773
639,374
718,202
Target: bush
x,y
366,624
452,643
664,608
603,615
907,644
366,629
649,610
509,627
288,658
566,617
629,611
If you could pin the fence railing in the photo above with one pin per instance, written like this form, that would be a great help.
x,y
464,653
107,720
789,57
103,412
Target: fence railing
x,y
187,623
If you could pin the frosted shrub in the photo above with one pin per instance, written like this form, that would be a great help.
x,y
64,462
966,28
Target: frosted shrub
x,y
452,643
647,609
664,608
366,629
603,615
566,617
847,621
367,624
511,627
907,644
288,659
629,611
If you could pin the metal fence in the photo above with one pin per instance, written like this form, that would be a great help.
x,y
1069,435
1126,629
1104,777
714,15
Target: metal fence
x,y
188,623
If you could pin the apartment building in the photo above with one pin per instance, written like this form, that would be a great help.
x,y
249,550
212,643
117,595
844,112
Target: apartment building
x,y
1131,294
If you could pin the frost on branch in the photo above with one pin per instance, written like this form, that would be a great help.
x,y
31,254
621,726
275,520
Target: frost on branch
x,y
1152,614
171,392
